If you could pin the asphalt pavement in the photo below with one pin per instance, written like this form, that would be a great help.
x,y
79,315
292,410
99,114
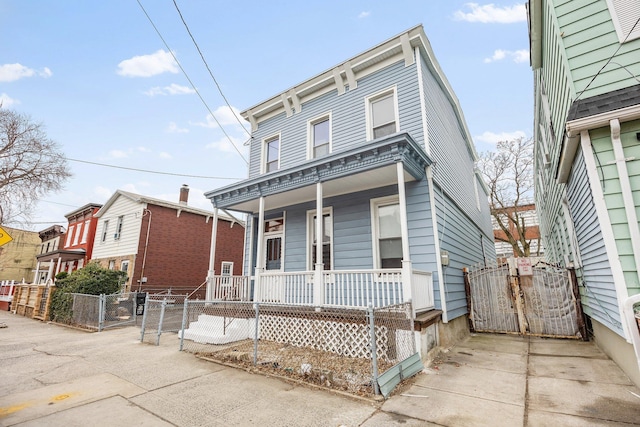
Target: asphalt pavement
x,y
58,376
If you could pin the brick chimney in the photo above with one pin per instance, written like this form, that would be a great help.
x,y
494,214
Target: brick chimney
x,y
184,194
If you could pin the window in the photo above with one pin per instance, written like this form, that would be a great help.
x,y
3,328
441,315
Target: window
x,y
124,266
387,231
67,242
112,264
625,14
86,231
227,268
327,238
382,114
271,154
118,227
272,225
76,238
105,230
319,131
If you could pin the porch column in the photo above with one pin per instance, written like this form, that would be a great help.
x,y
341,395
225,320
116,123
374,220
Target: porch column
x,y
35,277
257,296
58,266
406,257
212,256
318,285
50,271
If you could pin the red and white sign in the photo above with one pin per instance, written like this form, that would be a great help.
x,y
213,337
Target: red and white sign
x,y
524,266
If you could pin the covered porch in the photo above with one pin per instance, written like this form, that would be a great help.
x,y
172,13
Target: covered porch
x,y
386,162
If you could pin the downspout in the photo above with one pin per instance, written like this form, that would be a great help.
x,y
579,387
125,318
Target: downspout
x,y
146,245
436,242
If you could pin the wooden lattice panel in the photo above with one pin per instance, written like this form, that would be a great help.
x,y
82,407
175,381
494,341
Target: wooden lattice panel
x,y
345,339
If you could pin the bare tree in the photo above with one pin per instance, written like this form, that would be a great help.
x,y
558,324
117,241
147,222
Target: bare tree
x,y
508,172
31,165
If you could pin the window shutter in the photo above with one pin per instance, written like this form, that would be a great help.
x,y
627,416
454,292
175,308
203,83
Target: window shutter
x,y
625,14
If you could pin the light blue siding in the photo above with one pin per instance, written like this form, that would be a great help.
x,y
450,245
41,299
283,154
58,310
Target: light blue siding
x,y
598,287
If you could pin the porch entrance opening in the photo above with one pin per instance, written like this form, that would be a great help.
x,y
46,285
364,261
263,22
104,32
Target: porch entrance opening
x,y
273,251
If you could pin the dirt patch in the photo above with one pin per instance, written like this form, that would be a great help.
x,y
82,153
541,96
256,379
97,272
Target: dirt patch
x,y
320,368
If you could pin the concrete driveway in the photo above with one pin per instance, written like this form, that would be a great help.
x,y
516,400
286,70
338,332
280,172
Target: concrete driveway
x,y
57,376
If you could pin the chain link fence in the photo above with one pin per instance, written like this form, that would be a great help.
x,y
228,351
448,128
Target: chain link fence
x,y
328,346
100,312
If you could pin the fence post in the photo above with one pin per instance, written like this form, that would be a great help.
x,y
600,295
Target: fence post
x,y
161,321
374,349
144,317
101,311
185,313
255,335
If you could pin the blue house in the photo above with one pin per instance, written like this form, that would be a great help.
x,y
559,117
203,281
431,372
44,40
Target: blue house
x,y
379,149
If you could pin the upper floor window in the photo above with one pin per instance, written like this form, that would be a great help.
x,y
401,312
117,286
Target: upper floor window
x,y
118,227
625,15
76,238
86,231
67,242
319,137
271,154
382,114
105,230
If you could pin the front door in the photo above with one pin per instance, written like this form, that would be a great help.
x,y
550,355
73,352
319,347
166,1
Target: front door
x,y
273,252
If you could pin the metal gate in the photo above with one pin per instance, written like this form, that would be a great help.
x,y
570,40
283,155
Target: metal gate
x,y
541,300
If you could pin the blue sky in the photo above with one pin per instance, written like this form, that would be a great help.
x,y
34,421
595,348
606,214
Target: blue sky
x,y
107,89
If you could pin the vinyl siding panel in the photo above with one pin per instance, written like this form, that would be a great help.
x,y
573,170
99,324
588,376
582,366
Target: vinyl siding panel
x,y
598,289
128,241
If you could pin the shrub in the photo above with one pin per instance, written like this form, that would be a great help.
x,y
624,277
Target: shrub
x,y
92,280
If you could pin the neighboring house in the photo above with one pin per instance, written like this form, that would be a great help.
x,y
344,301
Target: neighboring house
x,y
586,61
526,213
71,251
379,148
17,258
164,245
45,258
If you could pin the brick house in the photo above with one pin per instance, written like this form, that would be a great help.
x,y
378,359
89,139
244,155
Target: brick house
x,y
165,245
527,215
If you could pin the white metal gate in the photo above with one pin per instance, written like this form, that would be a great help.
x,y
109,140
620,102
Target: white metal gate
x,y
542,300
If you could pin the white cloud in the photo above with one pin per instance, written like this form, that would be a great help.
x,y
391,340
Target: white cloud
x,y
224,145
148,65
224,115
494,138
174,128
13,72
517,56
173,89
7,101
103,193
490,13
143,149
118,154
364,14
165,155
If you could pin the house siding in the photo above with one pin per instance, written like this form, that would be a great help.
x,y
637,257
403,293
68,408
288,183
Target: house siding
x,y
598,289
128,241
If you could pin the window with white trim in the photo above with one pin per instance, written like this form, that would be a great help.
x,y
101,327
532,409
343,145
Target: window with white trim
x,y
327,239
118,227
227,268
382,114
112,264
105,230
271,154
76,238
67,242
387,232
319,137
625,15
86,231
124,266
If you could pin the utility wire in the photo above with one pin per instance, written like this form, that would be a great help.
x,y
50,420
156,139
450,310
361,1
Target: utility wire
x,y
208,69
150,171
191,83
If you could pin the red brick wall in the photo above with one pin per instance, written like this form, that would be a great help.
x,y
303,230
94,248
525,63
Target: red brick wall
x,y
177,254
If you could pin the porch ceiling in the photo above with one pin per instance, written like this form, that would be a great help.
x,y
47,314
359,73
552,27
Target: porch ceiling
x,y
369,166
69,255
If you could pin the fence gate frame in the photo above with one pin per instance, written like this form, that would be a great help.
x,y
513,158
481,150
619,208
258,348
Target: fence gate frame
x,y
536,300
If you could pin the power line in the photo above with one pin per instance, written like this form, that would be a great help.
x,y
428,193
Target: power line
x,y
191,83
208,69
151,171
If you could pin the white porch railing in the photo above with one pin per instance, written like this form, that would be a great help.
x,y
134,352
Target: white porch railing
x,y
7,287
229,288
344,288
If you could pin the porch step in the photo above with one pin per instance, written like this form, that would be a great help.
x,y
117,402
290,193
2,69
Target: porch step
x,y
426,319
218,330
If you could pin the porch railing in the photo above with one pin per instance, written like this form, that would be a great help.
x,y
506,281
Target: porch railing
x,y
286,288
359,288
7,288
229,288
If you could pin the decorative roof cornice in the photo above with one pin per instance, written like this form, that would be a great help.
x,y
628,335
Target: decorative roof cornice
x,y
379,153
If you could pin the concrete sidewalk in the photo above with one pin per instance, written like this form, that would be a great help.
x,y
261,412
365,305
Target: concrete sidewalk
x,y
56,376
